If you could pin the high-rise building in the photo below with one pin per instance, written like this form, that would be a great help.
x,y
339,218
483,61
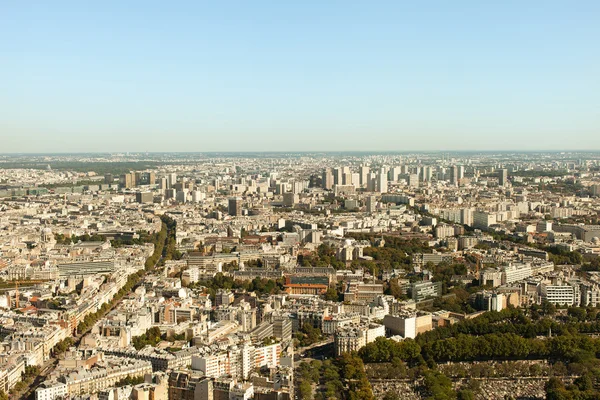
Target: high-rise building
x,y
163,184
171,179
371,204
413,180
127,181
347,178
382,183
427,174
235,206
454,175
503,177
337,176
363,171
144,197
328,180
372,182
393,174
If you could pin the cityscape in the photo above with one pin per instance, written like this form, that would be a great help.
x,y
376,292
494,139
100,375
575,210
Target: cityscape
x,y
299,200
299,275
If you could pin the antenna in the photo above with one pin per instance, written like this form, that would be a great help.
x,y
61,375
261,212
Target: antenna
x,y
16,294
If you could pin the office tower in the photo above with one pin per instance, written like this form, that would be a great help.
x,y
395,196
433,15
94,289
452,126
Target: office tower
x,y
413,180
427,174
461,172
503,177
181,196
382,183
127,181
363,171
454,175
371,182
151,178
290,199
138,178
346,178
171,179
280,188
144,197
393,174
197,196
328,180
109,178
337,176
235,206
371,204
170,193
163,184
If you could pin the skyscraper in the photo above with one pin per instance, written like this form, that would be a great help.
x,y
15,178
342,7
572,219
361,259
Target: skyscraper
x,y
127,180
235,206
382,182
454,175
364,174
503,177
371,204
171,179
327,179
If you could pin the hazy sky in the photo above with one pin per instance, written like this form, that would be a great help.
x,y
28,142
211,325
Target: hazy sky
x,y
299,75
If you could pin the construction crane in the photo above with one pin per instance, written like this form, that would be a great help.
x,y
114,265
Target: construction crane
x,y
477,263
17,289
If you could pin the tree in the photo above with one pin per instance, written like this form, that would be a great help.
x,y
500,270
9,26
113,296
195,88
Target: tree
x,y
389,395
305,390
465,394
331,294
438,386
3,396
584,382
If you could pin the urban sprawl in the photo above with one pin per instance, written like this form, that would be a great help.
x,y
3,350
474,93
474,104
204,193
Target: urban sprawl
x,y
300,276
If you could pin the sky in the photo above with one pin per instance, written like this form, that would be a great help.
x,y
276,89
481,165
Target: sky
x,y
113,76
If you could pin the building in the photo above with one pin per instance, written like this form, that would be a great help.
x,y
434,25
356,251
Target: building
x,y
563,295
483,219
371,204
127,181
235,206
381,183
421,259
352,338
424,290
144,197
503,177
51,390
515,273
185,385
490,301
407,325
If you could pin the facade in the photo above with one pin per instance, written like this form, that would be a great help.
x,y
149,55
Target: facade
x,y
235,206
407,325
563,295
352,338
423,290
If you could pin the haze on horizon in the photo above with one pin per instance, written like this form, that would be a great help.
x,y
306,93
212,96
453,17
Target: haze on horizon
x,y
299,76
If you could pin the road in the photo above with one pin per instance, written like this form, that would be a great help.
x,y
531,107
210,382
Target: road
x,y
316,351
51,364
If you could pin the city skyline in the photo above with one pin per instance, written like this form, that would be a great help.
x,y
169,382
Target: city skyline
x,y
299,77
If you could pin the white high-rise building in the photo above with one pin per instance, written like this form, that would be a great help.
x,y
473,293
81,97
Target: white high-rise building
x,y
363,171
382,183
